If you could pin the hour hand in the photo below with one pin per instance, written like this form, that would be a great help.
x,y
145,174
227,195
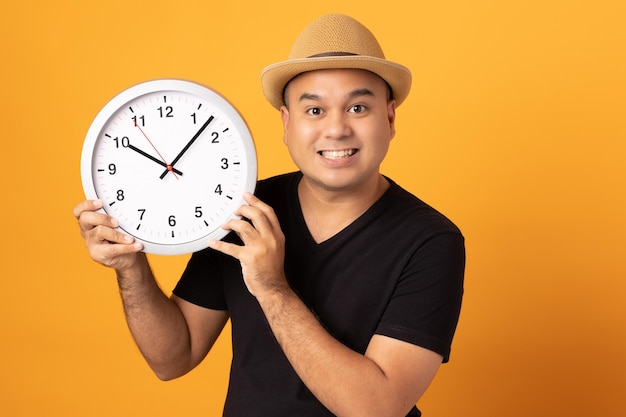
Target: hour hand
x,y
152,158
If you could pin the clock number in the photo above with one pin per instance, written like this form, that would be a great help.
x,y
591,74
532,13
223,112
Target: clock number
x,y
142,211
112,169
199,211
143,120
172,221
224,163
218,189
193,116
120,195
125,142
167,112
215,136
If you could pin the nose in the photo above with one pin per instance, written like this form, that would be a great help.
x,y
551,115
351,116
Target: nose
x,y
337,125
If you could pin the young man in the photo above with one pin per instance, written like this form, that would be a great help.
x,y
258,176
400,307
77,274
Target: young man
x,y
343,289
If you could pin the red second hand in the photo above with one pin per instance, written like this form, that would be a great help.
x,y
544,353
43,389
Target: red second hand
x,y
169,167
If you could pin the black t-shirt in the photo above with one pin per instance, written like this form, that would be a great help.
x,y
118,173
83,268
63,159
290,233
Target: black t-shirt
x,y
396,271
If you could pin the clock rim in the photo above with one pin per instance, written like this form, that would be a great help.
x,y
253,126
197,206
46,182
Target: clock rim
x,y
169,84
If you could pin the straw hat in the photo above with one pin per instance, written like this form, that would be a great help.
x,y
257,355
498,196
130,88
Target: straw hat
x,y
334,41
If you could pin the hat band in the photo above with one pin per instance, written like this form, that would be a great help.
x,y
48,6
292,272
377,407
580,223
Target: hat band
x,y
324,54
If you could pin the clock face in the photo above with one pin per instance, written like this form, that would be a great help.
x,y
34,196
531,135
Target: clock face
x,y
171,160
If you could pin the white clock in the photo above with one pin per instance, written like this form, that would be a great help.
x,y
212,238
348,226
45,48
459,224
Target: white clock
x,y
170,160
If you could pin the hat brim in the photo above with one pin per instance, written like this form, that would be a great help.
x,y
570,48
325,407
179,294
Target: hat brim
x,y
275,77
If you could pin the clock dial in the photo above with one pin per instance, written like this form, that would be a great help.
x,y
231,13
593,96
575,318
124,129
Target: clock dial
x,y
170,160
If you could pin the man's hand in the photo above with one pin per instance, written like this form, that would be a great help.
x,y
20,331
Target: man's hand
x,y
385,381
105,244
263,252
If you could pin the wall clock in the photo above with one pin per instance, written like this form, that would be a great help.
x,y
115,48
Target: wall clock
x,y
170,160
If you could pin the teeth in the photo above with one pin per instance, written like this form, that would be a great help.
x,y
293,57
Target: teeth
x,y
338,154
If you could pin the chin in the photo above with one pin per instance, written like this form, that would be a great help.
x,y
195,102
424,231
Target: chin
x,y
337,181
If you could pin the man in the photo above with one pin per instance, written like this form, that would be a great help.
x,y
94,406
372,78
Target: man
x,y
343,289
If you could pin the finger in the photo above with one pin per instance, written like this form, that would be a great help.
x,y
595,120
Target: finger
x,y
261,214
111,255
88,216
226,248
246,231
105,234
90,219
255,201
87,205
257,217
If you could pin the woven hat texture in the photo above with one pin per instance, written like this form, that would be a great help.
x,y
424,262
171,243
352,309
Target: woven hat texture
x,y
334,41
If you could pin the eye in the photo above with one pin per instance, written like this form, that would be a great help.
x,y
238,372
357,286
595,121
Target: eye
x,y
314,111
357,108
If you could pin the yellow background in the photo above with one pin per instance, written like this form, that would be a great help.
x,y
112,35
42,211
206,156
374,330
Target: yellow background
x,y
515,129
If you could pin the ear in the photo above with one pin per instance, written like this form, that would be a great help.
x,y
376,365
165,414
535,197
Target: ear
x,y
391,117
284,116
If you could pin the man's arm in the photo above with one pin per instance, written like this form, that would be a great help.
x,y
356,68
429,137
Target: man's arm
x,y
172,334
385,381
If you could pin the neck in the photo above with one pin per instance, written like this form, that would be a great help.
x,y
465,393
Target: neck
x,y
327,212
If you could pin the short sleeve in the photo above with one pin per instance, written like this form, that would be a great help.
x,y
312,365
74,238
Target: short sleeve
x,y
201,282
425,305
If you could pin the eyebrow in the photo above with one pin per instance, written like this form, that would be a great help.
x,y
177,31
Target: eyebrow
x,y
359,92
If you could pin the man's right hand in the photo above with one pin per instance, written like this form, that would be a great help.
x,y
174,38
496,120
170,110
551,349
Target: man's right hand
x,y
106,245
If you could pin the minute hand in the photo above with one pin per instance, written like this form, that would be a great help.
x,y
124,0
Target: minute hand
x,y
188,145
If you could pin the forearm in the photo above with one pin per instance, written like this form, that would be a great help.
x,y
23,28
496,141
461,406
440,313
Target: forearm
x,y
155,322
387,380
346,382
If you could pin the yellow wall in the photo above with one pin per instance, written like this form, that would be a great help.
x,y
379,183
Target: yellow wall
x,y
515,128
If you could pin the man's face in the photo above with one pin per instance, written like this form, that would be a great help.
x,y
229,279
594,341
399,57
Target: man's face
x,y
338,124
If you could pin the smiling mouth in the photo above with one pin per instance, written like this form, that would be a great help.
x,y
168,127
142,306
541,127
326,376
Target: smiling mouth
x,y
344,153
